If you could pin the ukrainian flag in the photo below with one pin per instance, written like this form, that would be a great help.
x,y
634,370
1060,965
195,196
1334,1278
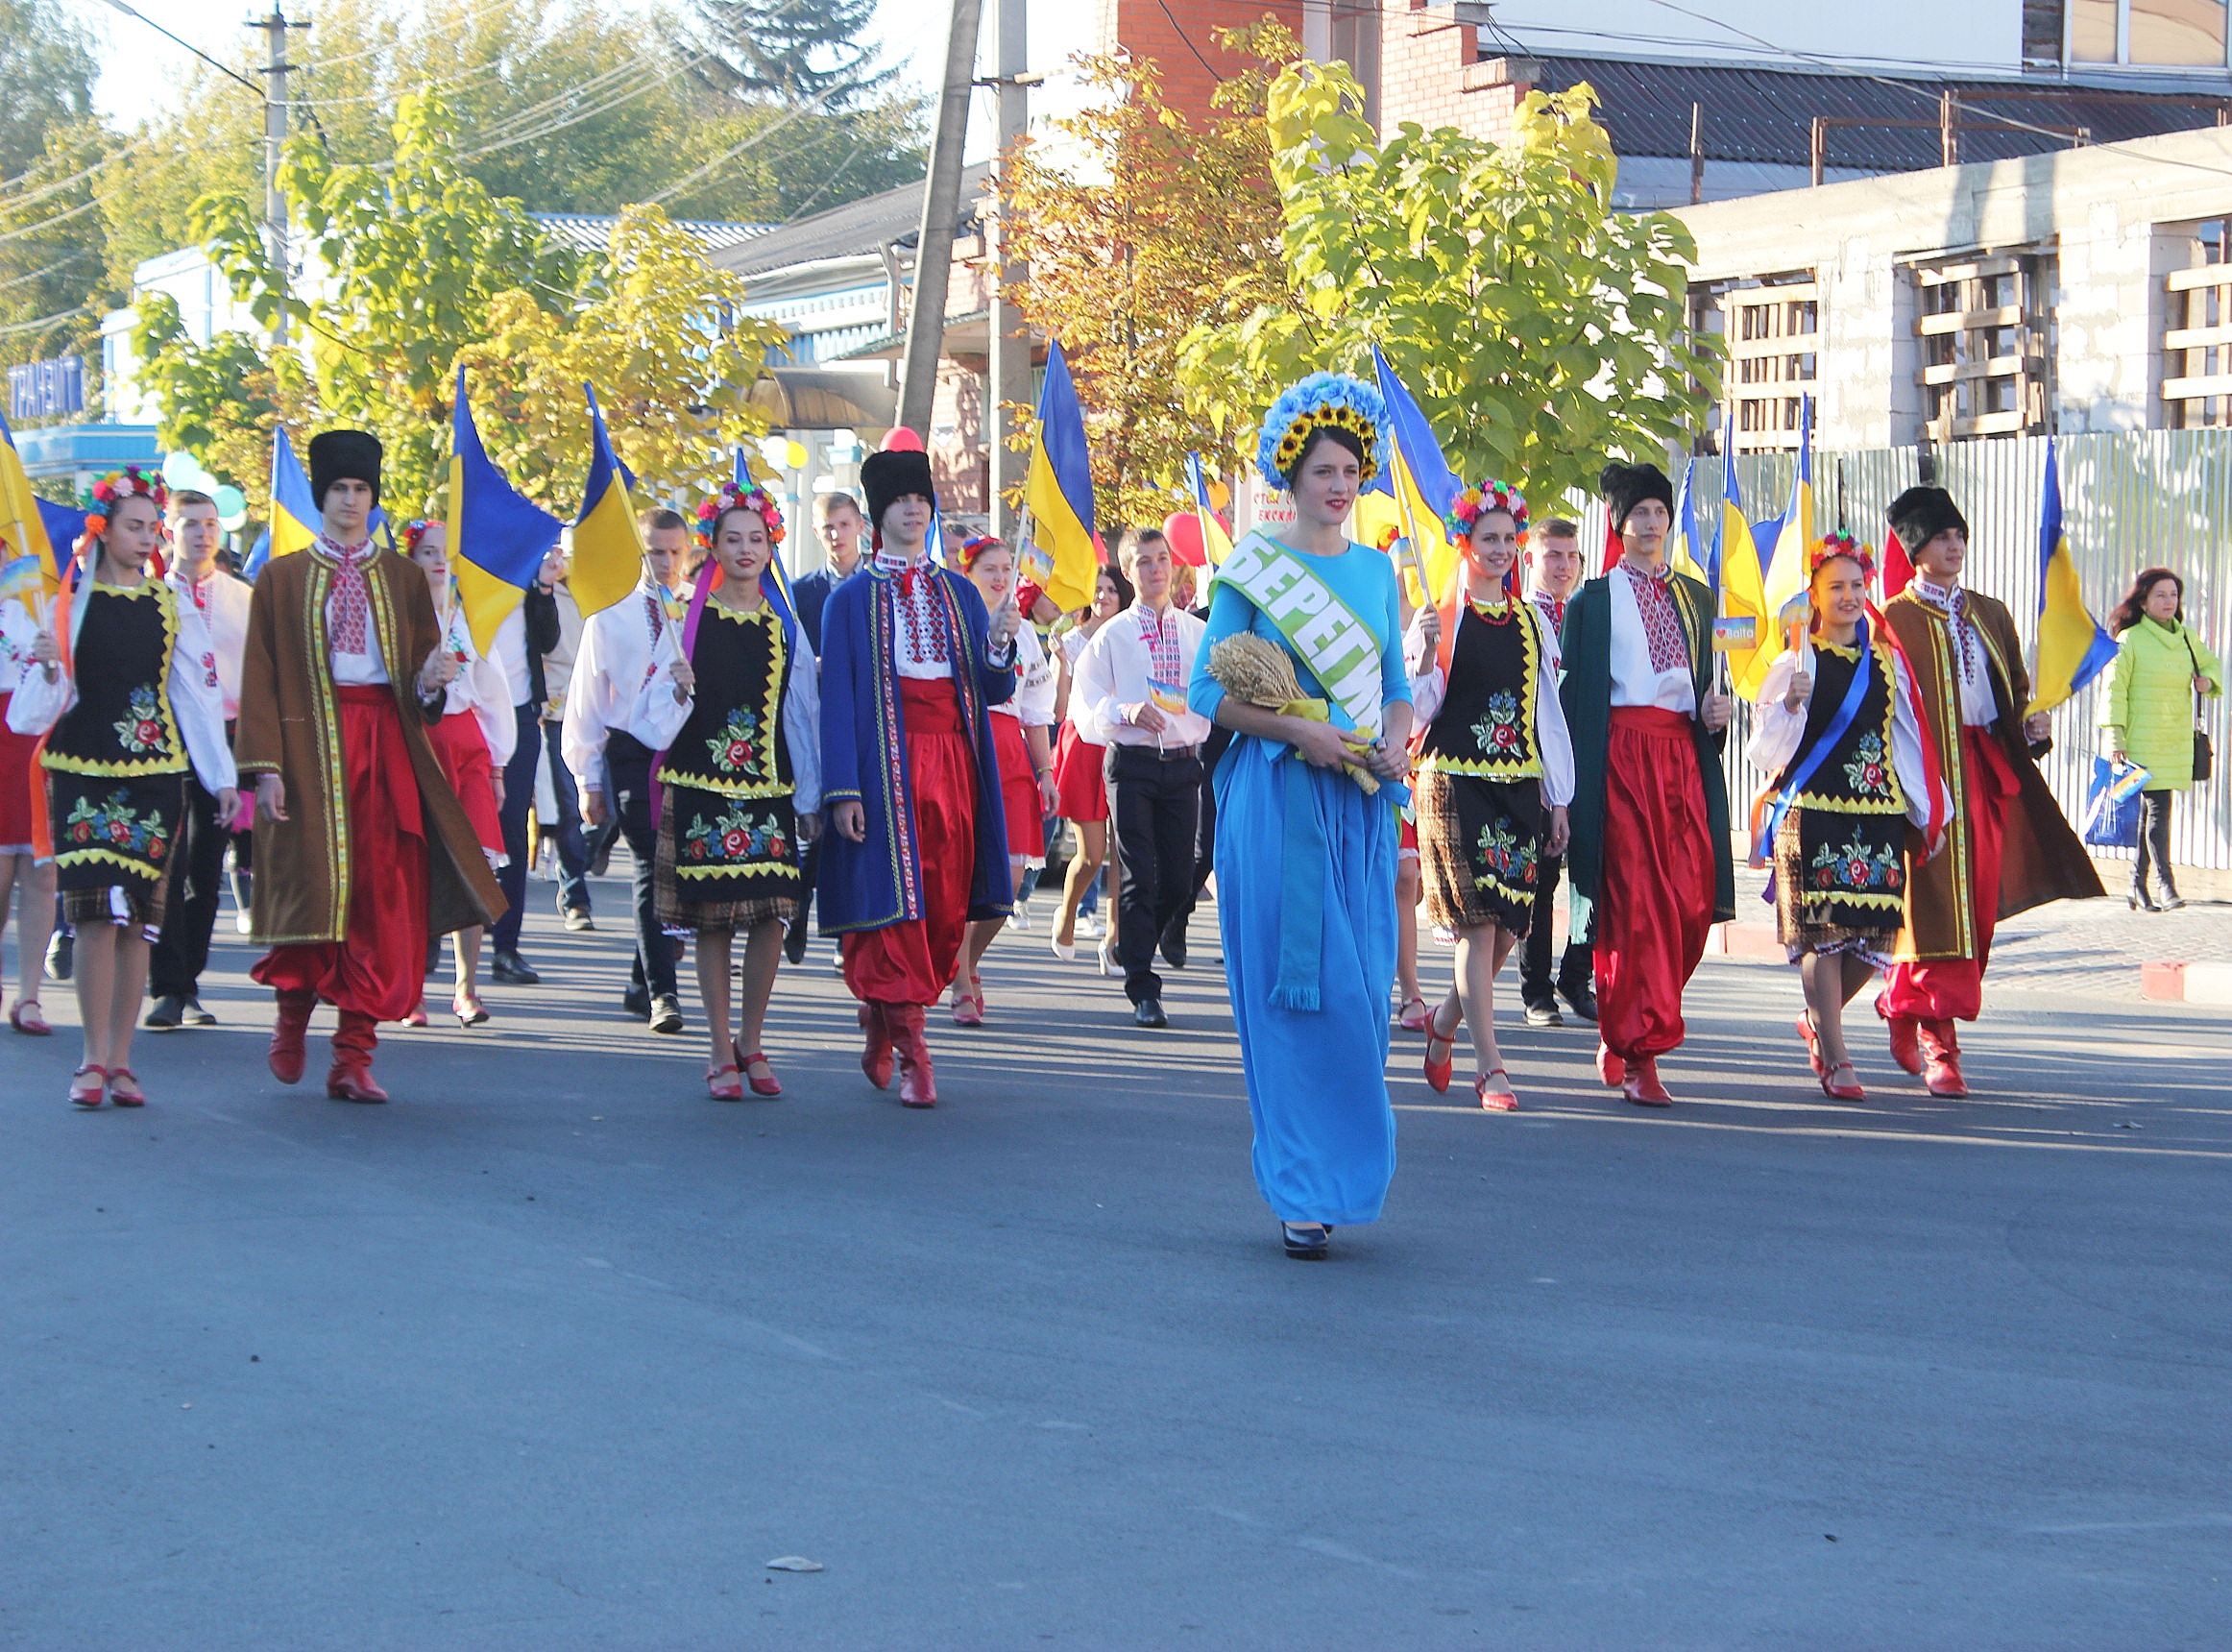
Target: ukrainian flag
x,y
1785,548
608,543
1058,488
1742,588
26,518
1216,541
498,538
1687,550
1421,479
2072,647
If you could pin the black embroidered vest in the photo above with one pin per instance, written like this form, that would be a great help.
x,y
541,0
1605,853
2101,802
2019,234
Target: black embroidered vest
x,y
123,724
733,744
1858,776
1486,726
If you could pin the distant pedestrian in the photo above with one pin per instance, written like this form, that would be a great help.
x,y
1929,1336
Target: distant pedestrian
x,y
1555,570
26,878
2163,672
1081,769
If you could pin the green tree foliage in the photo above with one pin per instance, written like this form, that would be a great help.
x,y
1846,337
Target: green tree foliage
x,y
52,252
220,401
47,66
796,50
1541,332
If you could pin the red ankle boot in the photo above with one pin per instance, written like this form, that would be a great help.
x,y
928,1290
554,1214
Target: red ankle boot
x,y
288,1058
1905,1039
917,1081
350,1078
1942,1048
876,1054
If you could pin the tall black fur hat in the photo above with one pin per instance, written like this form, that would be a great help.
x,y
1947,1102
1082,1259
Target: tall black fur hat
x,y
886,475
1919,515
338,454
1626,486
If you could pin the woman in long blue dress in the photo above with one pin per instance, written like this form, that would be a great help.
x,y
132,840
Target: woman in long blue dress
x,y
1305,855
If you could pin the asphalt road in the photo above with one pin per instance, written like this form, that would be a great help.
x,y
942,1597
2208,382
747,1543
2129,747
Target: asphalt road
x,y
553,1353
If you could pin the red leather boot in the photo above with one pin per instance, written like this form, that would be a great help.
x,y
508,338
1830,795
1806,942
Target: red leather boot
x,y
1942,1048
917,1081
1905,1039
288,1058
876,1054
350,1078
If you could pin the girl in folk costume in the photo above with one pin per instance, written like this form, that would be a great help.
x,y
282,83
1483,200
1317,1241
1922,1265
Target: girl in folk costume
x,y
1081,769
733,712
126,714
1495,772
473,739
1306,815
1027,787
26,871
1841,729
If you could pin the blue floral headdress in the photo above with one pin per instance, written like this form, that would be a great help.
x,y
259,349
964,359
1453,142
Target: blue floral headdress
x,y
1324,398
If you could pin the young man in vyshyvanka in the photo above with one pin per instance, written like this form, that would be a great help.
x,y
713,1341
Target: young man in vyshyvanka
x,y
917,840
2010,848
1650,838
362,849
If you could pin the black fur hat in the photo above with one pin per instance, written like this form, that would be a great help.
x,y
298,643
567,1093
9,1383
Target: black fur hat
x,y
886,475
1626,486
1919,515
339,454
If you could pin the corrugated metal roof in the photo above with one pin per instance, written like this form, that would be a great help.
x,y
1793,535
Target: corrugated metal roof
x,y
1765,114
867,225
592,233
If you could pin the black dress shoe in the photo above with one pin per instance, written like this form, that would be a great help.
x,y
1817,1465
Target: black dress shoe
x,y
62,955
666,1014
165,1014
794,945
1582,997
1305,1241
197,1017
637,1002
1173,947
1543,1013
513,970
1148,1012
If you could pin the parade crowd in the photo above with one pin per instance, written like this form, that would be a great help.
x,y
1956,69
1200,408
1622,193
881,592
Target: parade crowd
x,y
888,747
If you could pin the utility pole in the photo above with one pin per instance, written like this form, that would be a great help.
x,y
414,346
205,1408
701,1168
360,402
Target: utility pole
x,y
274,138
1010,364
941,205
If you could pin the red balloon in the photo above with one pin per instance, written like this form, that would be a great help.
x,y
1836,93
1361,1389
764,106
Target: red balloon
x,y
1183,530
903,440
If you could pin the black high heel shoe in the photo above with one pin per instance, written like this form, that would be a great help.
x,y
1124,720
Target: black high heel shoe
x,y
1305,1241
2142,901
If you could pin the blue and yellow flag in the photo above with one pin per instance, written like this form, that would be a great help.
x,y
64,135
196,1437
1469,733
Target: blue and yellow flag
x,y
1419,476
1686,551
1058,488
498,538
295,516
1216,541
1784,546
1742,588
25,520
608,543
2072,647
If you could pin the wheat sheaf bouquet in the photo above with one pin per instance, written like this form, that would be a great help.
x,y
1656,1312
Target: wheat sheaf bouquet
x,y
1261,673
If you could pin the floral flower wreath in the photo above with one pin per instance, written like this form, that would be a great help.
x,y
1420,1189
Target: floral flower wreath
x,y
415,530
976,545
1470,506
125,484
1324,398
1831,546
733,498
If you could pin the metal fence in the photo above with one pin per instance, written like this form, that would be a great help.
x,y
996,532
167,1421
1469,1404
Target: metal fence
x,y
2129,500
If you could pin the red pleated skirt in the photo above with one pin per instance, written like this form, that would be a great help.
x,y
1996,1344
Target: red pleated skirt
x,y
1081,787
463,748
1019,788
16,781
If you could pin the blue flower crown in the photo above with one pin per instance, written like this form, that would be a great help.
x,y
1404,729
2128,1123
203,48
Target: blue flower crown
x,y
1324,398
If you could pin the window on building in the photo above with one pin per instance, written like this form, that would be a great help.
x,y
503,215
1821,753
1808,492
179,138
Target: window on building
x,y
1982,326
2148,33
1773,328
2196,339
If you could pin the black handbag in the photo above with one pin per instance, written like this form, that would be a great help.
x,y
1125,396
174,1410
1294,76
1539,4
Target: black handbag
x,y
2204,754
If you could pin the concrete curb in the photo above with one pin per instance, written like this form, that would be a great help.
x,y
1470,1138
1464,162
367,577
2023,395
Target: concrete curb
x,y
2187,982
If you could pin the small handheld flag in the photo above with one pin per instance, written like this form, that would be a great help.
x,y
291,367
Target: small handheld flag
x,y
2072,647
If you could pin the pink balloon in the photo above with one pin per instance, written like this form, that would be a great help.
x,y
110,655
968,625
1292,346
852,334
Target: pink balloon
x,y
1183,530
903,440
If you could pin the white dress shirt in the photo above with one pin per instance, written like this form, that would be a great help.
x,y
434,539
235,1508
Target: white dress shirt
x,y
1072,645
509,649
620,646
920,645
213,629
1972,666
1032,702
1553,740
1777,730
1552,609
1635,680
1115,668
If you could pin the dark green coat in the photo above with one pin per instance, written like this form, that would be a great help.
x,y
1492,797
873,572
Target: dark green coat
x,y
1586,642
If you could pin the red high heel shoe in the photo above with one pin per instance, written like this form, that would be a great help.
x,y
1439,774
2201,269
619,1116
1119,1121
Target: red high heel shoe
x,y
1851,1092
1439,1073
969,1004
1813,1046
31,1026
134,1097
770,1085
89,1099
1495,1101
722,1084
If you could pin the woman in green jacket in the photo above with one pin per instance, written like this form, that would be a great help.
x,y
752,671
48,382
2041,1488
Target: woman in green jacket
x,y
2160,665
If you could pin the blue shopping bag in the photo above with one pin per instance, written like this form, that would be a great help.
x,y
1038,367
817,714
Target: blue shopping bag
x,y
2112,804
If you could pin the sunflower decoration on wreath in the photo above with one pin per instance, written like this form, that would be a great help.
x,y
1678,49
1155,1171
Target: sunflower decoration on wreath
x,y
103,496
1323,400
733,498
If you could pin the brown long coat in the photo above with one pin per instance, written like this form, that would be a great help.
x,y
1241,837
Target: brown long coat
x,y
290,726
2041,859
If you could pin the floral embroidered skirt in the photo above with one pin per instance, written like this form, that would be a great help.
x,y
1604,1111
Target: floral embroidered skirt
x,y
725,862
114,834
1478,841
1840,882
